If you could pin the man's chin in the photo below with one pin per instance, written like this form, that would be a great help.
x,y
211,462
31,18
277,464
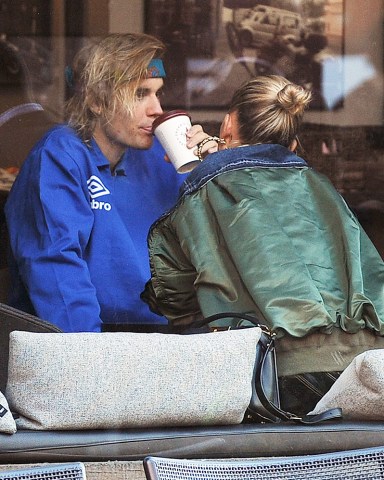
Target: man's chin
x,y
145,144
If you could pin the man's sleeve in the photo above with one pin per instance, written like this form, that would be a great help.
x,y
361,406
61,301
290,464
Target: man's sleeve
x,y
48,241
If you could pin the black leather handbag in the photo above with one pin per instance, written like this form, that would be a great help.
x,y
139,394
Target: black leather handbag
x,y
265,401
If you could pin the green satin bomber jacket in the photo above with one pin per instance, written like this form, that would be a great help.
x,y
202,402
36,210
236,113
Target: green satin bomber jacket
x,y
258,231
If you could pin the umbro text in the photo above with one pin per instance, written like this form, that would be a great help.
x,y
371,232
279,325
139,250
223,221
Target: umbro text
x,y
95,205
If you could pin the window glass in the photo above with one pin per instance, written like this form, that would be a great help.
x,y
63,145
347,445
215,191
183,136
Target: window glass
x,y
333,47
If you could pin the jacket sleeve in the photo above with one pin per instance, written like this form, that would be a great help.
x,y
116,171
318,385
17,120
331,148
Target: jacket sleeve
x,y
50,222
171,290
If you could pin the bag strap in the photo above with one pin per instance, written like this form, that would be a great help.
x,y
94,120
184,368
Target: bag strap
x,y
241,316
331,414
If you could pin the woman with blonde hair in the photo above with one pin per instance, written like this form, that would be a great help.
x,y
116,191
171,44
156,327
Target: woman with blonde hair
x,y
257,231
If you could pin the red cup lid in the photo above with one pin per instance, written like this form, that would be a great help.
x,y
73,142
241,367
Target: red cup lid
x,y
166,116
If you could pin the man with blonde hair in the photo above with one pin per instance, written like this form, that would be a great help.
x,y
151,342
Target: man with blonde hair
x,y
80,209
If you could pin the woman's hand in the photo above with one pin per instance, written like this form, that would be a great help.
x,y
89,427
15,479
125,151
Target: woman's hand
x,y
196,135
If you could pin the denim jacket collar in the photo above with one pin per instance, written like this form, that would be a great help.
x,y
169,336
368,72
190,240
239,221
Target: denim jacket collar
x,y
261,156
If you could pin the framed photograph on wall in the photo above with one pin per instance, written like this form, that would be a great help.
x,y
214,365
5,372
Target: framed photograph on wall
x,y
215,45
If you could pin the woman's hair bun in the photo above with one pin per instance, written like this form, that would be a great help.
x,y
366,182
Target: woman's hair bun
x,y
293,98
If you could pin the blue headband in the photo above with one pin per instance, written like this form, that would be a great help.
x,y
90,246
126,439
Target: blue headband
x,y
156,68
68,72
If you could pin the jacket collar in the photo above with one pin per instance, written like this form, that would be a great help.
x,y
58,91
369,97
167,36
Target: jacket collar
x,y
252,156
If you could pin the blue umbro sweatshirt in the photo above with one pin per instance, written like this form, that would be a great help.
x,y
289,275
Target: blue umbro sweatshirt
x,y
78,232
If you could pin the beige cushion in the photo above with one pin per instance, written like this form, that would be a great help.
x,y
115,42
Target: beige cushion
x,y
64,381
7,422
359,390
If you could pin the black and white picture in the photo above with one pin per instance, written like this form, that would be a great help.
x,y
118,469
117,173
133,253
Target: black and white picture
x,y
215,45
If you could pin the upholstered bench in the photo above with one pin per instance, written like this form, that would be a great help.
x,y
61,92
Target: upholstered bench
x,y
250,440
119,453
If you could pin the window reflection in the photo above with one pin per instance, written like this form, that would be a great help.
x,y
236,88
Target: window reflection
x,y
212,47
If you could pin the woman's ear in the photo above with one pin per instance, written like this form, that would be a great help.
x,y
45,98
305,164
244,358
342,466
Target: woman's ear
x,y
226,127
292,147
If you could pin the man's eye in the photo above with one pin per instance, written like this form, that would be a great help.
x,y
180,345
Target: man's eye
x,y
140,94
143,93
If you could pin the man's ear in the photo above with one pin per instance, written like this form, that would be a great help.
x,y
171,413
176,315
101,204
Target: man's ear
x,y
292,147
93,105
95,110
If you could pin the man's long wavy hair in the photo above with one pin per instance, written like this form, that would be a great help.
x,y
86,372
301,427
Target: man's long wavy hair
x,y
105,78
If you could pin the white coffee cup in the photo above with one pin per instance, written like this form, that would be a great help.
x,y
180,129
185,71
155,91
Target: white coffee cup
x,y
170,129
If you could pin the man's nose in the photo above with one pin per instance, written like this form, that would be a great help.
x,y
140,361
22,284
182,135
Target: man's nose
x,y
155,107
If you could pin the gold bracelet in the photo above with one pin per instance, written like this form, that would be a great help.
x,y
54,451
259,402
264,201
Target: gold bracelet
x,y
206,140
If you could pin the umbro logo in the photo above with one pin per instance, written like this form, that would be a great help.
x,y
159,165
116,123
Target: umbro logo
x,y
97,189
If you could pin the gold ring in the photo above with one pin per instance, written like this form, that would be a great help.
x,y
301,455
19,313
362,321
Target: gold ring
x,y
203,142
